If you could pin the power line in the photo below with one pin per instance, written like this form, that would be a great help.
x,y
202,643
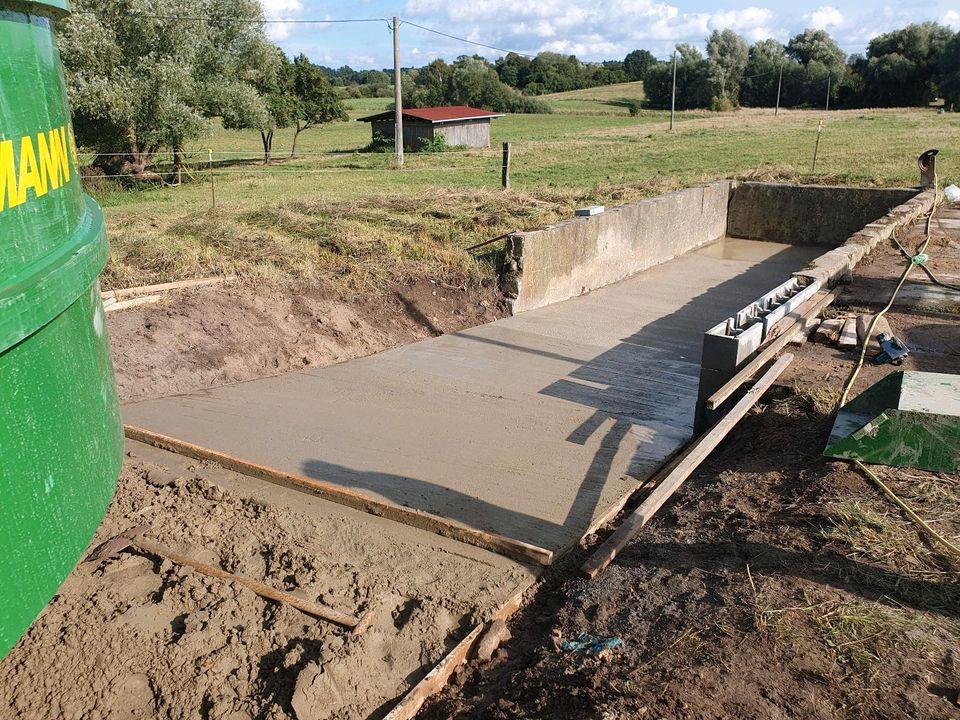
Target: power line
x,y
471,42
224,18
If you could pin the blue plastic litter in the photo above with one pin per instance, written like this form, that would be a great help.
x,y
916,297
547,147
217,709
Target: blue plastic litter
x,y
591,645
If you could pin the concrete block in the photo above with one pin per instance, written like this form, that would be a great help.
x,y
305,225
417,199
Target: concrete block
x,y
589,211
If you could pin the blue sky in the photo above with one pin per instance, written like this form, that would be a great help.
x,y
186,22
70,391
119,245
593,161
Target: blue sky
x,y
590,29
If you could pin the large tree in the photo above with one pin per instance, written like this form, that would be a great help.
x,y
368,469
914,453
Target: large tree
x,y
901,66
637,63
316,102
695,87
948,73
728,54
147,74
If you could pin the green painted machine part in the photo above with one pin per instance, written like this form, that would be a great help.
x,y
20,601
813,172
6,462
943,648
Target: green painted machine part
x,y
61,439
907,419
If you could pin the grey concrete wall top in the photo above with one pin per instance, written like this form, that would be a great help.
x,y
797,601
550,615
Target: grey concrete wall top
x,y
585,253
807,214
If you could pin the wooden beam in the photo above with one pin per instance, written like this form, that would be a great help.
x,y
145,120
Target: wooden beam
x,y
151,289
437,678
804,316
500,544
132,303
698,452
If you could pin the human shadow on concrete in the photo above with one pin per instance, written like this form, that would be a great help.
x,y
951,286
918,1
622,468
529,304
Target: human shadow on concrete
x,y
642,390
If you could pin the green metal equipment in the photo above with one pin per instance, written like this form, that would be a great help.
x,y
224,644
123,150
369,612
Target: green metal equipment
x,y
61,439
907,419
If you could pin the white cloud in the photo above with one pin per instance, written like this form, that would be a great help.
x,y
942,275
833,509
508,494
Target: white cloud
x,y
280,10
824,18
952,18
590,30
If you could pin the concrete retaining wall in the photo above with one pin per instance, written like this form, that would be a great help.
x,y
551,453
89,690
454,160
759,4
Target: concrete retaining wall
x,y
807,214
575,256
835,264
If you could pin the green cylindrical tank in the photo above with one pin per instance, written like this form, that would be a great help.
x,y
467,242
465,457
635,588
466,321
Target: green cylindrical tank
x,y
61,440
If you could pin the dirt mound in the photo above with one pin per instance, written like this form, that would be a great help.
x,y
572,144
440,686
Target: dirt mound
x,y
221,334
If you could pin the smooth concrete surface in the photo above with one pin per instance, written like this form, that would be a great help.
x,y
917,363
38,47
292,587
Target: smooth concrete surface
x,y
576,256
807,214
530,427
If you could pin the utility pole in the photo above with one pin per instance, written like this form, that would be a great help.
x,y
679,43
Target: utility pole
x,y
397,95
829,78
673,95
779,85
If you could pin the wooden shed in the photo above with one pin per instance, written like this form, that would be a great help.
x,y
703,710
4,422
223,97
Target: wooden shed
x,y
459,124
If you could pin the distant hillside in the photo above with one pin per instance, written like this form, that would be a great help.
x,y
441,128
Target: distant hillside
x,y
613,99
602,93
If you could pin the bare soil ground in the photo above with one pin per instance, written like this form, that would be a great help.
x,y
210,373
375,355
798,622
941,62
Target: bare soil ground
x,y
137,636
776,584
228,333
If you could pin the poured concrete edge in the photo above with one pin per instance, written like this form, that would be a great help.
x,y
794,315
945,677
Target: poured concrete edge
x,y
508,547
576,256
831,267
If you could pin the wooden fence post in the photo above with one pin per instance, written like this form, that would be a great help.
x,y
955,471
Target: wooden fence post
x,y
506,166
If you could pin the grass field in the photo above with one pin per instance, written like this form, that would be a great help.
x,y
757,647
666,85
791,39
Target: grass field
x,y
354,221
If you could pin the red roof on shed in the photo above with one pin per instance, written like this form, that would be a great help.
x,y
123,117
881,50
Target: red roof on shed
x,y
437,114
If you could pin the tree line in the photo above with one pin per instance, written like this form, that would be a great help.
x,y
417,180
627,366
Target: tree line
x,y
144,75
910,66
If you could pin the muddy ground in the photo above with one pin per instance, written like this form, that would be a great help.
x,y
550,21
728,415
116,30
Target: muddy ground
x,y
228,333
777,583
137,636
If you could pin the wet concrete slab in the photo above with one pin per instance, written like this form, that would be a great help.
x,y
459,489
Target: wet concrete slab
x,y
530,427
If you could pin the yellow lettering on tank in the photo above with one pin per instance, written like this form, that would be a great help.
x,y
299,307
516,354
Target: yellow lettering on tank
x,y
30,175
42,164
48,153
8,176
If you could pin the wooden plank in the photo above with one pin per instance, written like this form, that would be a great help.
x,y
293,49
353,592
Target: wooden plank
x,y
804,318
132,303
437,678
162,287
515,549
848,336
690,462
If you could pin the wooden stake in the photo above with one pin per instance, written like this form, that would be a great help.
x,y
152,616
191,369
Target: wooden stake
x,y
500,544
816,148
506,166
690,462
213,192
